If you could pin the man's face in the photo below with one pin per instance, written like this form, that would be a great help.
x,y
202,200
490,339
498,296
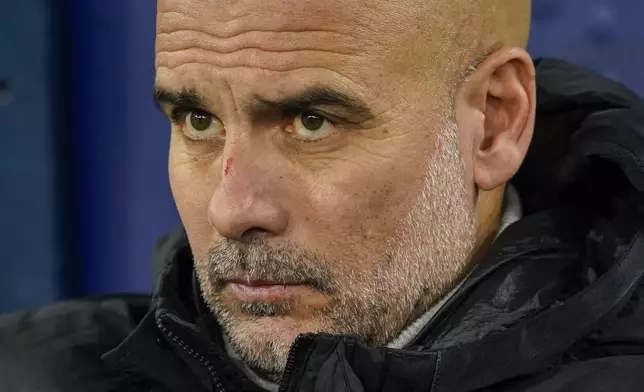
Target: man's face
x,y
315,165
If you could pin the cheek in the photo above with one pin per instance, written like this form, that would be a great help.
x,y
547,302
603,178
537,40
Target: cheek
x,y
192,191
359,211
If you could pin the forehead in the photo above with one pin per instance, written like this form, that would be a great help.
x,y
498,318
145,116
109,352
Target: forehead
x,y
229,18
356,43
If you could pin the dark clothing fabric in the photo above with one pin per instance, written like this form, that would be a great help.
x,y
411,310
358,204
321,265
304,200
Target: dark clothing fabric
x,y
557,303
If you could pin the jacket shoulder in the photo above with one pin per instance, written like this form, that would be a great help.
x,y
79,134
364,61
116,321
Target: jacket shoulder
x,y
59,346
610,358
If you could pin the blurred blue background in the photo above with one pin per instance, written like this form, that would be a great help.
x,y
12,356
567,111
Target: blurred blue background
x,y
83,151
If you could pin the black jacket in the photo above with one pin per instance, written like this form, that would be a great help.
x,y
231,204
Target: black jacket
x,y
557,304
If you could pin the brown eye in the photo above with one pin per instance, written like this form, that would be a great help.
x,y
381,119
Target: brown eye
x,y
312,122
200,125
200,121
311,125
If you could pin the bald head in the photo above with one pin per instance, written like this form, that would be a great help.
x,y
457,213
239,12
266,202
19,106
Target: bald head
x,y
491,21
486,25
455,34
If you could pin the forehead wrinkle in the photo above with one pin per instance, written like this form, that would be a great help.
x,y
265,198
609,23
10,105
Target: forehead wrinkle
x,y
262,49
168,22
375,32
303,16
267,41
249,58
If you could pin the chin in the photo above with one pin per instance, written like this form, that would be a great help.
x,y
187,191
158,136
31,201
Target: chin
x,y
271,326
264,342
278,329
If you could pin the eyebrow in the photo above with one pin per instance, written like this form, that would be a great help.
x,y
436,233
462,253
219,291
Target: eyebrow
x,y
354,109
185,98
316,97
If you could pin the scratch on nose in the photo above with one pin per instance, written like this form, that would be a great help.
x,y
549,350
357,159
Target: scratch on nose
x,y
229,164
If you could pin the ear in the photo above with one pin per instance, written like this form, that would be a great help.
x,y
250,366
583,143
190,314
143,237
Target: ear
x,y
496,110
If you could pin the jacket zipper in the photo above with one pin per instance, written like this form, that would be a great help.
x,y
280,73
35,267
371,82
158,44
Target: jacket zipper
x,y
219,387
299,349
290,366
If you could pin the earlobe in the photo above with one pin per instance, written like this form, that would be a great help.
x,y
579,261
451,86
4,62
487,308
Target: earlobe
x,y
507,95
495,165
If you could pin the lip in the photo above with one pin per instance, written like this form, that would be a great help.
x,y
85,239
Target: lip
x,y
263,290
250,282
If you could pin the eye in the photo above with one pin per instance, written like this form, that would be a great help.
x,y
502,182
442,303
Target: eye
x,y
311,126
200,125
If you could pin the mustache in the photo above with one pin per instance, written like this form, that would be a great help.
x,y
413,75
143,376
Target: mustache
x,y
257,260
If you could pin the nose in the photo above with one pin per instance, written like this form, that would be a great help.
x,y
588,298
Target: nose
x,y
245,202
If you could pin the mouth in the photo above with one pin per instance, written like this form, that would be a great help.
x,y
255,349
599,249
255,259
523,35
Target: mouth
x,y
258,290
